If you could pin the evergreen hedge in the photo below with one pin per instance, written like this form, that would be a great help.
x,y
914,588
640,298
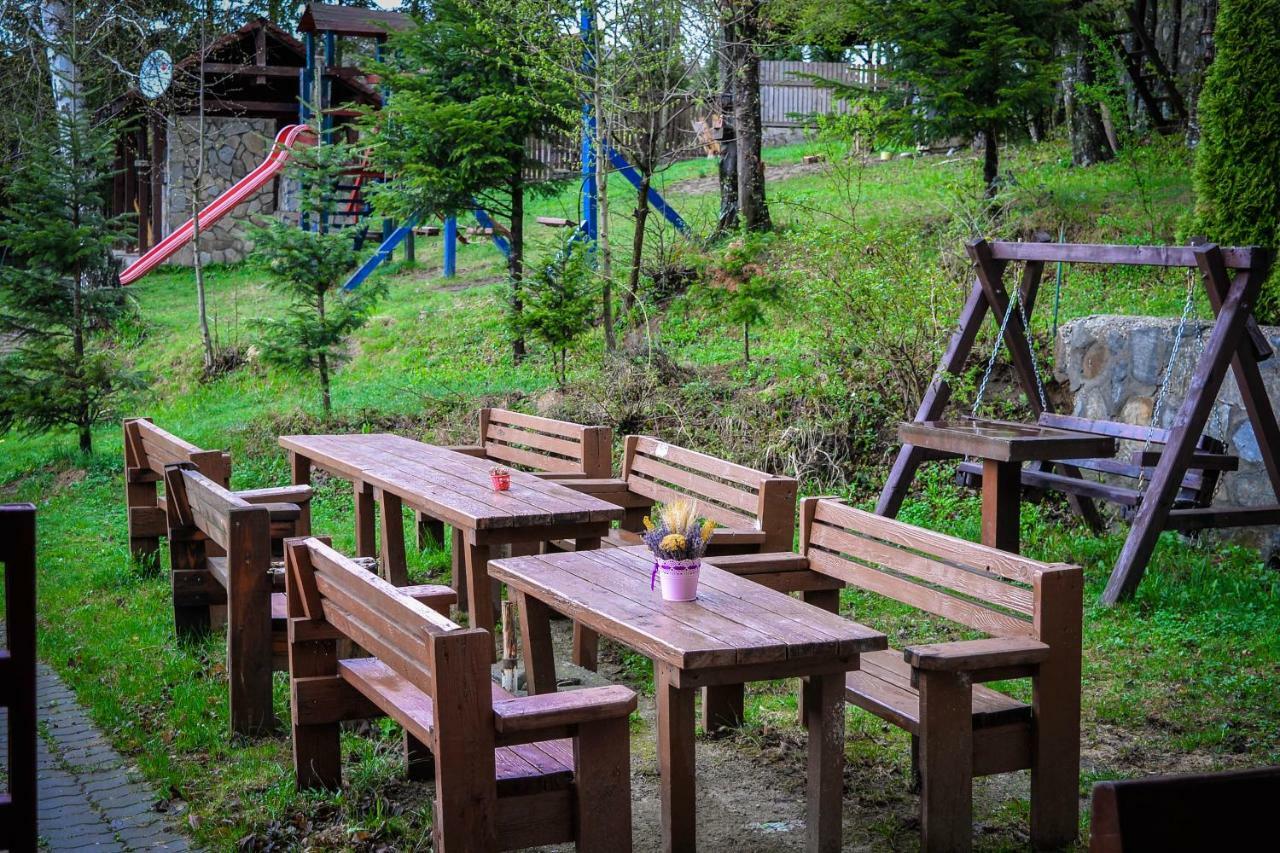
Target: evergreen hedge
x,y
1237,179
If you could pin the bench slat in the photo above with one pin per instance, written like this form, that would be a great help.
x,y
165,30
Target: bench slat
x,y
569,448
986,586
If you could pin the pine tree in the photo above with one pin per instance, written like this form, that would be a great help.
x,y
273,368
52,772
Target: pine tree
x,y
60,293
561,304
1238,162
309,266
453,132
971,66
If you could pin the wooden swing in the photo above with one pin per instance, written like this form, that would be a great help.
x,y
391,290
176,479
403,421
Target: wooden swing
x,y
1176,472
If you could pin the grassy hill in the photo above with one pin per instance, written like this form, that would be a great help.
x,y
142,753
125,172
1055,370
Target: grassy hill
x,y
870,258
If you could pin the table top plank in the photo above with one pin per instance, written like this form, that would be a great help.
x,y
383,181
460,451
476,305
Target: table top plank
x,y
448,485
1005,441
732,622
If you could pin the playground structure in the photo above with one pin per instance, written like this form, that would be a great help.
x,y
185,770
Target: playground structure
x,y
326,87
1170,491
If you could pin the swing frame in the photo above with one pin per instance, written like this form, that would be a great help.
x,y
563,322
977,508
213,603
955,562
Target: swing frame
x,y
1232,279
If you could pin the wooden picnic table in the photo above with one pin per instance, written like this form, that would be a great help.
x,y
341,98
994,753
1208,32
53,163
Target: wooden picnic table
x,y
454,488
736,631
1003,447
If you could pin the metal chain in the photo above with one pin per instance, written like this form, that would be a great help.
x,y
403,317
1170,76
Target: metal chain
x,y
1163,390
1031,348
991,362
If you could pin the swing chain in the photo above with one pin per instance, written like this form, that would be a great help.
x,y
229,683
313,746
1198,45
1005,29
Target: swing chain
x,y
995,352
1163,391
1014,300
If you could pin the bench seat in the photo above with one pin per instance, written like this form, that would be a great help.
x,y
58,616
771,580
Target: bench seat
x,y
883,687
526,768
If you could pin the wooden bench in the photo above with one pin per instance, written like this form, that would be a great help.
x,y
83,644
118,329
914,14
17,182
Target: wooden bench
x,y
509,772
1031,614
18,676
1189,812
220,554
754,511
149,449
1207,465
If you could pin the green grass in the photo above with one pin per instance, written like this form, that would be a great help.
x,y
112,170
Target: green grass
x,y
1188,673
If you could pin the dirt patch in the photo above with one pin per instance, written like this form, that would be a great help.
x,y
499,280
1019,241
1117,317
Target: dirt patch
x,y
711,184
69,477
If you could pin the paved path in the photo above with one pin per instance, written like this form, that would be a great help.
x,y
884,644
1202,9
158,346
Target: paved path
x,y
89,797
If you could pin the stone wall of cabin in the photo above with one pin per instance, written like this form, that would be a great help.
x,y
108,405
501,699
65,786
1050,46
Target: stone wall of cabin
x,y
233,148
1114,367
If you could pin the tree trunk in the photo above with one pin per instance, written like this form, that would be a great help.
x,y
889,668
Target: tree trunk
x,y
637,242
746,343
729,61
990,162
197,187
515,265
52,19
1089,142
746,104
322,362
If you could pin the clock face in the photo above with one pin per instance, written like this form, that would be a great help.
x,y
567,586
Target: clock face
x,y
155,75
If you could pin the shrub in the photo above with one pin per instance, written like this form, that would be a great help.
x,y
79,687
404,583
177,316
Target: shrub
x,y
1238,163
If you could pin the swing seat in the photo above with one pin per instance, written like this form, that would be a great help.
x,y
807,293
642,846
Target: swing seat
x,y
1196,492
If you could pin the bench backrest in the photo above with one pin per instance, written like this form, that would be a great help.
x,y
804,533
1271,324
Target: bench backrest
x,y
1000,594
546,445
195,502
731,495
18,666
447,662
148,447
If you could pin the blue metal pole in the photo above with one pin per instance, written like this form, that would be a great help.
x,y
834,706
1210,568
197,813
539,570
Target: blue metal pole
x,y
384,253
590,194
655,198
482,216
450,246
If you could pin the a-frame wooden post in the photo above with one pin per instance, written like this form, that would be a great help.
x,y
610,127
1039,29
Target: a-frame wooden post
x,y
1233,300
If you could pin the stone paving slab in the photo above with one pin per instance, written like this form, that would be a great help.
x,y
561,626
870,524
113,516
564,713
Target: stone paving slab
x,y
89,796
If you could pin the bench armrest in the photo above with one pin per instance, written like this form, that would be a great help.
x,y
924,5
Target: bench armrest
x,y
467,450
611,489
436,596
752,564
559,476
977,655
277,495
526,714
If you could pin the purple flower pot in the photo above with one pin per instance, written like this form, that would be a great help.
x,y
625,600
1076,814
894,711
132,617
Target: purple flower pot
x,y
678,579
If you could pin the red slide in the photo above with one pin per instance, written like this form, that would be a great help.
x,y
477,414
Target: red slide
x,y
223,204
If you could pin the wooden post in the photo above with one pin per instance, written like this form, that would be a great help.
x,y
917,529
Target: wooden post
x,y
1055,707
1224,345
140,494
824,696
535,634
946,762
466,793
249,620
1001,504
300,475
317,754
509,645
391,519
676,763
366,537
602,777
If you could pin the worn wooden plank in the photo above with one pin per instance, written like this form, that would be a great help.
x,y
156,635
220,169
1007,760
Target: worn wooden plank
x,y
1003,441
946,759
1091,253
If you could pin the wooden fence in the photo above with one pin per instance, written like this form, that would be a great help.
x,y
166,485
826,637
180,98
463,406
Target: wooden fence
x,y
789,97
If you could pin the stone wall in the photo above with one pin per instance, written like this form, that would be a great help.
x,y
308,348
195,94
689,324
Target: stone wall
x,y
233,148
1114,366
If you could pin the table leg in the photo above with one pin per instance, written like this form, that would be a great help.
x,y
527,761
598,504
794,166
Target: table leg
x,y
459,569
722,707
430,531
479,589
1001,503
586,643
300,474
394,567
535,636
828,600
825,707
366,537
676,763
